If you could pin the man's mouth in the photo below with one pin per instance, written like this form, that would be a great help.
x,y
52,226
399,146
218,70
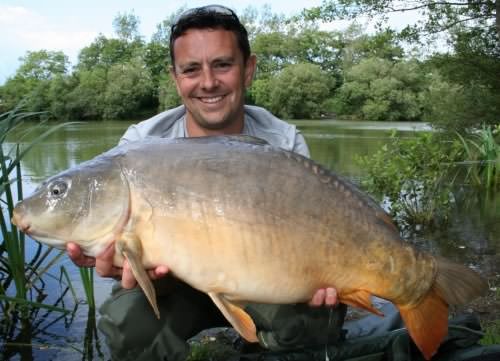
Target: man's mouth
x,y
211,100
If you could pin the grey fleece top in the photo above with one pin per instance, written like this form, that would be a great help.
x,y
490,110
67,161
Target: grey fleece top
x,y
258,123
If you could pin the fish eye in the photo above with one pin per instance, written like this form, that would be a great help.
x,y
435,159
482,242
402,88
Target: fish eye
x,y
58,188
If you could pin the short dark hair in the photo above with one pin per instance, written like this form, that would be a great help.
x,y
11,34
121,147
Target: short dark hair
x,y
210,17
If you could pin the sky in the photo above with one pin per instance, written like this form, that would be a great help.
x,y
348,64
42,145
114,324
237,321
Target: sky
x,y
68,26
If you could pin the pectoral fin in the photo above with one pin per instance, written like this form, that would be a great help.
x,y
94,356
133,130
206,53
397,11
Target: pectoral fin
x,y
241,321
361,299
134,259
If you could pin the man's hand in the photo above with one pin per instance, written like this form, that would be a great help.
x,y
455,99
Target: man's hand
x,y
104,265
324,296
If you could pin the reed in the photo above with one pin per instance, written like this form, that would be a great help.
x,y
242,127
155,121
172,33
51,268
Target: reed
x,y
481,157
17,273
87,276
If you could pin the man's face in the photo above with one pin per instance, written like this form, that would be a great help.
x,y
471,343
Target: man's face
x,y
211,78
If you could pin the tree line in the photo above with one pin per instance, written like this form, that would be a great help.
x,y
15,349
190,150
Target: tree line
x,y
304,71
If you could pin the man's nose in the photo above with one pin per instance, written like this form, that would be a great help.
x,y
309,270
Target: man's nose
x,y
209,80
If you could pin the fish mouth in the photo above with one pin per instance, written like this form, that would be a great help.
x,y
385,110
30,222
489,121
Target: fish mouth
x,y
18,221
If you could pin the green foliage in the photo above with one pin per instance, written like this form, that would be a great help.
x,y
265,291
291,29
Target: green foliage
x,y
412,173
491,333
299,91
32,80
87,276
169,98
128,86
105,52
86,100
260,92
435,16
362,76
472,30
359,46
42,65
471,75
127,26
377,89
481,153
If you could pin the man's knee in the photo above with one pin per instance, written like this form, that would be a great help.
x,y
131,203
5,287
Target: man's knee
x,y
293,326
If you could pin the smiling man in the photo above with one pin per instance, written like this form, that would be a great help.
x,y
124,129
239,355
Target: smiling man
x,y
212,67
211,75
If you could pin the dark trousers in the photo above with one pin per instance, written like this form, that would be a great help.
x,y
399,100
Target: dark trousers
x,y
134,333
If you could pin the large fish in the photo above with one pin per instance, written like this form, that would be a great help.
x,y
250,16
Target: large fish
x,y
243,221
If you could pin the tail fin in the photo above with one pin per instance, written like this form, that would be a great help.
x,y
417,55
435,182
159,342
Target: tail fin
x,y
427,323
458,284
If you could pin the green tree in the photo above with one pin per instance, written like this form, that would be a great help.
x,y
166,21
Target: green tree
x,y
105,52
359,46
156,54
471,71
32,80
377,89
57,95
128,88
168,96
127,27
436,16
43,65
86,101
299,91
278,49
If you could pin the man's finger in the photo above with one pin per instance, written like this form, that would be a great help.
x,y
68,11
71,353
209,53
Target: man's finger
x,y
160,271
128,279
76,255
331,298
318,298
104,263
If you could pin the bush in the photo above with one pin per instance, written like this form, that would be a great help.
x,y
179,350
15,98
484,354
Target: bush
x,y
412,173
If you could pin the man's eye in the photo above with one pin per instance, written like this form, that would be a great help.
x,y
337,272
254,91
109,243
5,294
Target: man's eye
x,y
189,71
223,66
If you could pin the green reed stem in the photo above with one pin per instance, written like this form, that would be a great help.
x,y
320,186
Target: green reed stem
x,y
24,302
64,273
87,275
12,243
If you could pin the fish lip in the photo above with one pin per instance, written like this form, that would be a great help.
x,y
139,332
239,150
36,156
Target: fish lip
x,y
18,222
26,229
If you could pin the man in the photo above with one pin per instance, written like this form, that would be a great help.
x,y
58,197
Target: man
x,y
212,66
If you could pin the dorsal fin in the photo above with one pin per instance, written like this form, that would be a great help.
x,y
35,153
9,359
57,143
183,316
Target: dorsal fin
x,y
246,139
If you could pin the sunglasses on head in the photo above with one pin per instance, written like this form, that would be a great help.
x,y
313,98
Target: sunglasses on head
x,y
203,10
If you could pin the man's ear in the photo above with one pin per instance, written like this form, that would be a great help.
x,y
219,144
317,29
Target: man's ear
x,y
250,67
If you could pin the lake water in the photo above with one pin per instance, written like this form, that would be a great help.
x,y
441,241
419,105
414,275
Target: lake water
x,y
473,236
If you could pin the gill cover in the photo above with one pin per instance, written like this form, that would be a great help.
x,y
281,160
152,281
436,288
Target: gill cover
x,y
87,204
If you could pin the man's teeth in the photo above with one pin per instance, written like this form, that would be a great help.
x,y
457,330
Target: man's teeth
x,y
211,99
